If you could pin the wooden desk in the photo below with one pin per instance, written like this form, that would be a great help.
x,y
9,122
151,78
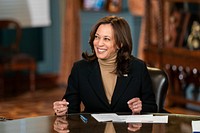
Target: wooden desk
x,y
51,124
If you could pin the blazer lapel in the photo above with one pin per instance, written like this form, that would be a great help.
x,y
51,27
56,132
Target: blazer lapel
x,y
120,88
96,83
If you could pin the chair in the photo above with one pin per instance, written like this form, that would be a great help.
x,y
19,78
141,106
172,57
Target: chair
x,y
160,86
11,59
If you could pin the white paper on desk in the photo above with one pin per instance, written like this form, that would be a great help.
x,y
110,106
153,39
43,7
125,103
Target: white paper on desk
x,y
116,118
147,119
125,117
106,117
195,126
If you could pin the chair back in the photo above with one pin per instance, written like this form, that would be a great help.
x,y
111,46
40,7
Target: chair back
x,y
13,46
11,58
160,85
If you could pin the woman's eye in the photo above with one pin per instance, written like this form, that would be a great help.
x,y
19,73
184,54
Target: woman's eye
x,y
96,37
107,39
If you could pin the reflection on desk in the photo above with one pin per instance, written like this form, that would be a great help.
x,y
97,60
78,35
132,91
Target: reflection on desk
x,y
74,124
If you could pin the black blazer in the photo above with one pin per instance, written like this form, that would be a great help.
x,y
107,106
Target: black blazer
x,y
85,84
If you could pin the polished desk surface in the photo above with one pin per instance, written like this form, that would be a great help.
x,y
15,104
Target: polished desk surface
x,y
52,124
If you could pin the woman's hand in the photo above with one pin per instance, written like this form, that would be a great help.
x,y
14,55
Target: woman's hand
x,y
60,107
134,127
61,125
135,104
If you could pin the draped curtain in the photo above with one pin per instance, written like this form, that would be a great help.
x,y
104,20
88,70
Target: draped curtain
x,y
70,47
137,8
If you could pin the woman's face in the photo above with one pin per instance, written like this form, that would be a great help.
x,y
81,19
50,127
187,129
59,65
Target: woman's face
x,y
104,42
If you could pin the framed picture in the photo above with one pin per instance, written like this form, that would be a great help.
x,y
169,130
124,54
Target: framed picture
x,y
114,6
94,5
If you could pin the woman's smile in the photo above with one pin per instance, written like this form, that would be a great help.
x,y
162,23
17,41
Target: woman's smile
x,y
101,50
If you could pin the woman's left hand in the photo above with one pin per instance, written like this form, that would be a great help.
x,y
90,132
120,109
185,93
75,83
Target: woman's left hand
x,y
135,104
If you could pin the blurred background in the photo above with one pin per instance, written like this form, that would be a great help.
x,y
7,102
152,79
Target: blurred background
x,y
54,33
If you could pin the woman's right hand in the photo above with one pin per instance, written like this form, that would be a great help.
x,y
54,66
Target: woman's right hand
x,y
61,125
134,127
60,107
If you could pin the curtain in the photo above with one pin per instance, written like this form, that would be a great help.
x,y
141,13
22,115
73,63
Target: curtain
x,y
70,47
137,8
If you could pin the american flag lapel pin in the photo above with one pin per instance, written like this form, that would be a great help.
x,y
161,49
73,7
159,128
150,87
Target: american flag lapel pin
x,y
125,75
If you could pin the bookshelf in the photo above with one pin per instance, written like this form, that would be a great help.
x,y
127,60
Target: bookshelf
x,y
181,63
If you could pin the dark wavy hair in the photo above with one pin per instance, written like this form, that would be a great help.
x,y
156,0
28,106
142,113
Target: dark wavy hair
x,y
122,36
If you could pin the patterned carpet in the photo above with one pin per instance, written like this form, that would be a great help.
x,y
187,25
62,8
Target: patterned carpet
x,y
31,104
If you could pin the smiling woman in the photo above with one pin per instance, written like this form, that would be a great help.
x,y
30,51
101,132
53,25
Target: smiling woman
x,y
104,43
110,78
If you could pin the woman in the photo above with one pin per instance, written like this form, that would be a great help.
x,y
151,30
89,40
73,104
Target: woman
x,y
110,79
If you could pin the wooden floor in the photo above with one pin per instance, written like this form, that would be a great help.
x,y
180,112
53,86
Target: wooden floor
x,y
41,101
31,104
